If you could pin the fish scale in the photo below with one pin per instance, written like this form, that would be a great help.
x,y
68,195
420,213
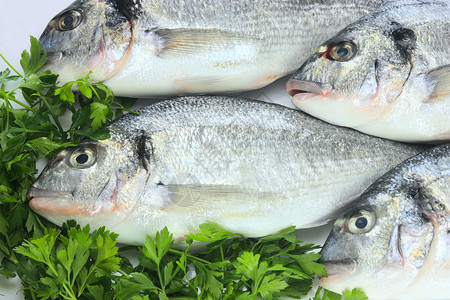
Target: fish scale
x,y
253,167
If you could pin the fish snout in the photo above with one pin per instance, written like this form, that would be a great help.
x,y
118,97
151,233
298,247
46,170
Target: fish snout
x,y
347,265
296,86
55,56
34,192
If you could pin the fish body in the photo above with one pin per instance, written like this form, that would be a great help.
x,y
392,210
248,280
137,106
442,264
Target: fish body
x,y
387,74
394,241
252,167
159,47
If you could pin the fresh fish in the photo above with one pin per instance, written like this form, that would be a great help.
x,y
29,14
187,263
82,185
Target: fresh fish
x,y
394,241
167,47
253,167
387,74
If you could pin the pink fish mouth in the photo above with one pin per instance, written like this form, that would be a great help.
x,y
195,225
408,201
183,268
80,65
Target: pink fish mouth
x,y
52,202
35,193
307,89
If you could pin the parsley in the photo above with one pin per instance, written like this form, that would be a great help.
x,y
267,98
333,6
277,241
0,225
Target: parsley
x,y
354,294
73,263
31,129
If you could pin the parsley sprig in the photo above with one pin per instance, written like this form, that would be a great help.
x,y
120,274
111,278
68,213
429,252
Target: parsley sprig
x,y
74,263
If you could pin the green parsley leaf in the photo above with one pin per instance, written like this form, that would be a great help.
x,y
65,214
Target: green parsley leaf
x,y
354,294
65,92
99,112
309,264
31,63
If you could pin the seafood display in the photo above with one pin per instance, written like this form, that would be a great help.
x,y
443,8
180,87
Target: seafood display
x,y
367,143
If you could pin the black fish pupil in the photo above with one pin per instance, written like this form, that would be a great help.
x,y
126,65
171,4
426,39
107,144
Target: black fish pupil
x,y
342,52
361,222
82,159
68,21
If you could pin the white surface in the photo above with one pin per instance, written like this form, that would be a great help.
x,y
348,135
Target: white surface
x,y
22,18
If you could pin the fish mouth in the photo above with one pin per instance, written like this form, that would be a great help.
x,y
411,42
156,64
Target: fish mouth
x,y
339,272
305,89
36,193
337,267
53,58
50,202
322,101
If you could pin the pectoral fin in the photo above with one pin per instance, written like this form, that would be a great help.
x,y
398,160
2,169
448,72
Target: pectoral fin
x,y
440,78
188,41
226,197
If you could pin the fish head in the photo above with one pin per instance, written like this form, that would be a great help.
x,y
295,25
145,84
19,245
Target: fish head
x,y
378,245
97,182
353,78
88,36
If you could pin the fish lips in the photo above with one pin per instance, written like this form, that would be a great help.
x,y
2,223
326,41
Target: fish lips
x,y
304,89
343,266
321,100
47,202
337,270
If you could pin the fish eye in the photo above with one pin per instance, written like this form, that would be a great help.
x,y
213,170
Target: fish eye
x,y
361,222
342,51
82,158
69,20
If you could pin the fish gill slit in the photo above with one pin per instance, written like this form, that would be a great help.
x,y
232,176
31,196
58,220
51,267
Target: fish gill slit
x,y
399,242
406,80
106,195
377,76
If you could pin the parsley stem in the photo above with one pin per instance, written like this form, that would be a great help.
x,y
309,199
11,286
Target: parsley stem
x,y
13,258
92,88
55,118
163,286
8,96
22,104
69,291
124,274
7,62
188,255
119,106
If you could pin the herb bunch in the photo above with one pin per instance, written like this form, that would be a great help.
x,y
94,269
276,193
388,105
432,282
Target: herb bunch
x,y
74,263
32,129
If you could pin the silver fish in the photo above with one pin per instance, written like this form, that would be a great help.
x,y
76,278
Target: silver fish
x,y
387,74
253,167
166,47
394,241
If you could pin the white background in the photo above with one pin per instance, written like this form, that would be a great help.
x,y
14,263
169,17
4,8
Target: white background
x,y
21,18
